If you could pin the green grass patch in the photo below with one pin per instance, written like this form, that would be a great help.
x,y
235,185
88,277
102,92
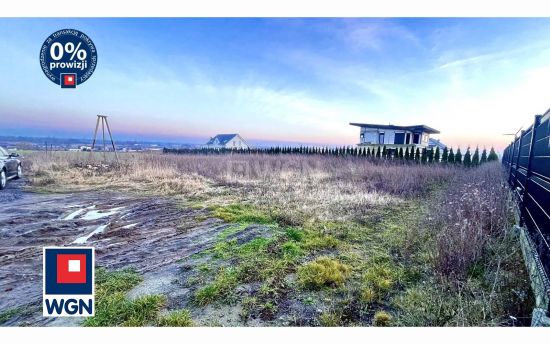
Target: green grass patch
x,y
241,213
295,234
113,308
221,287
10,313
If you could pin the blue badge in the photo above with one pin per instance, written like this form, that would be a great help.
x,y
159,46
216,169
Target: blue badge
x,y
68,58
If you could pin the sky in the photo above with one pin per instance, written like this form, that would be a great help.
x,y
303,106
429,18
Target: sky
x,y
283,79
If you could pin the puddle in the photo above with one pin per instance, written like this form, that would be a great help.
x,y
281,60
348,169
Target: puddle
x,y
83,239
74,214
98,214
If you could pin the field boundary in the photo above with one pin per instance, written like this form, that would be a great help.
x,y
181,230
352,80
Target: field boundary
x,y
527,160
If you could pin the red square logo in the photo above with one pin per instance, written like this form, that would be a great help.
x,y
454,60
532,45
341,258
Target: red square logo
x,y
69,79
71,268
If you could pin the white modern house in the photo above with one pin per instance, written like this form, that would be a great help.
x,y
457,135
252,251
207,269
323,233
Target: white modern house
x,y
394,136
226,141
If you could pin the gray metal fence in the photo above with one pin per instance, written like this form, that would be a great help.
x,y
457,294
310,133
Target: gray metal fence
x,y
527,159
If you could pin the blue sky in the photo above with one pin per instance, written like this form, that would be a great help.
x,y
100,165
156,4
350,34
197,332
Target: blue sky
x,y
291,80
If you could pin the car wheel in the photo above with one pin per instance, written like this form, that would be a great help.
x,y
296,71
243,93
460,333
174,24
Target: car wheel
x,y
19,172
3,179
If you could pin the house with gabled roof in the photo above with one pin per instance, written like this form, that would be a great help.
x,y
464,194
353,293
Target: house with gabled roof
x,y
226,141
394,136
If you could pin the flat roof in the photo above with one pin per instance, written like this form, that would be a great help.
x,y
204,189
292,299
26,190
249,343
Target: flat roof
x,y
419,127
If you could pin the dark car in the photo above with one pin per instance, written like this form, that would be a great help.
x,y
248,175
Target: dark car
x,y
10,167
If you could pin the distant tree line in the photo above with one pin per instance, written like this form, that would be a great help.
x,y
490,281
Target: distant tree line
x,y
408,154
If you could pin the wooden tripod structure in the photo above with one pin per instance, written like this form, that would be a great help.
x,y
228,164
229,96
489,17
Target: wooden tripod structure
x,y
104,123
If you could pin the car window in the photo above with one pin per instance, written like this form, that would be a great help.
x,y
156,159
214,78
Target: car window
x,y
3,152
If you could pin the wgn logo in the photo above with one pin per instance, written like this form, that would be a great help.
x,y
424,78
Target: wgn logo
x,y
68,282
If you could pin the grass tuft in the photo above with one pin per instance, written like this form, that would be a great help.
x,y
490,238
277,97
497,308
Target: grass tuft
x,y
323,272
382,318
180,318
223,285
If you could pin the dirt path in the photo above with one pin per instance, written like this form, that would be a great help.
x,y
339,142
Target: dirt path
x,y
148,234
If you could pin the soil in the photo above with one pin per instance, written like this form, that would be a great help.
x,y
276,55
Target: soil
x,y
153,235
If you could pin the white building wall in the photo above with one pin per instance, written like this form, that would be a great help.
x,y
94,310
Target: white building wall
x,y
370,136
389,136
236,143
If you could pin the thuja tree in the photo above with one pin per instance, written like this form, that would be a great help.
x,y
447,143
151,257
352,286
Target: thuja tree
x,y
424,156
492,155
451,157
475,157
417,155
483,156
430,156
445,155
458,156
437,155
467,158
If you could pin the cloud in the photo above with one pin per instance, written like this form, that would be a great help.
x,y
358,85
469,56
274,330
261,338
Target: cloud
x,y
375,34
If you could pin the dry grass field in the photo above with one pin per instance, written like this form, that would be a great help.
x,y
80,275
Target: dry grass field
x,y
350,241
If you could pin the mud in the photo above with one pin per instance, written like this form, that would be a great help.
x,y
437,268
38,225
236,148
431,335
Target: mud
x,y
152,235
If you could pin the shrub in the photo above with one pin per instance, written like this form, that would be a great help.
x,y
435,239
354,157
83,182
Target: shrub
x,y
323,272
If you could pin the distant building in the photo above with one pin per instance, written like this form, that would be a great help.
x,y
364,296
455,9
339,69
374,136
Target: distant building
x,y
227,141
433,144
394,136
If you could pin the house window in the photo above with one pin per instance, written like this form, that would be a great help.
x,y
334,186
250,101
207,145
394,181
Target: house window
x,y
399,138
408,138
381,138
416,138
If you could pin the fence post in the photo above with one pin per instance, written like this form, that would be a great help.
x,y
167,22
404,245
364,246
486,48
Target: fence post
x,y
536,124
520,142
510,158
